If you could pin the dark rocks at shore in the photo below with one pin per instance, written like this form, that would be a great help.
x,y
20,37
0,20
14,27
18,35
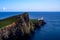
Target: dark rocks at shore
x,y
40,23
21,29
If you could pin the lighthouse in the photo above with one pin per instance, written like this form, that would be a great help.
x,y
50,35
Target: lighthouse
x,y
41,18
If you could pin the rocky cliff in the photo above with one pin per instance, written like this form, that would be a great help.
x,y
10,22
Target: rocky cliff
x,y
21,26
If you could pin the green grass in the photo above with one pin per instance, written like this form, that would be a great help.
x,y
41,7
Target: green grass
x,y
33,20
7,21
11,20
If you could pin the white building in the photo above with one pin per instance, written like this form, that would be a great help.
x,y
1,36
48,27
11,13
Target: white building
x,y
41,18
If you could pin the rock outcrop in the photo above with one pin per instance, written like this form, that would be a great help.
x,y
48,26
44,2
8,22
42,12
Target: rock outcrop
x,y
19,28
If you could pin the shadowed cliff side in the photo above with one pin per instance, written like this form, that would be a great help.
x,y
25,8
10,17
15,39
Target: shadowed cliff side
x,y
21,26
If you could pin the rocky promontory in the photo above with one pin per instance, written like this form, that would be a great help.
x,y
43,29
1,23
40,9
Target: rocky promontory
x,y
22,25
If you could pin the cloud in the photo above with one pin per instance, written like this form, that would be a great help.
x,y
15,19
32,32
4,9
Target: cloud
x,y
4,8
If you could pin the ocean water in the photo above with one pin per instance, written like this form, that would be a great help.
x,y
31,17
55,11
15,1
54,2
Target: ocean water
x,y
50,31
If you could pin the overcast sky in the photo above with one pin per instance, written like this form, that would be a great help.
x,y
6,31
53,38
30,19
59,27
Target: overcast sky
x,y
29,5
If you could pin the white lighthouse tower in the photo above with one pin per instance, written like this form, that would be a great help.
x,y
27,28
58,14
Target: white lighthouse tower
x,y
41,18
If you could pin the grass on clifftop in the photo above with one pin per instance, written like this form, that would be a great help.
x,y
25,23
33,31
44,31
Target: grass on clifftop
x,y
6,21
33,20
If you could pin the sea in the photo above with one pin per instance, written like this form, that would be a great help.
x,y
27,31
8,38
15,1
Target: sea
x,y
50,31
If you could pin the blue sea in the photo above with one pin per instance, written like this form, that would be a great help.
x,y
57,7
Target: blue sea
x,y
50,31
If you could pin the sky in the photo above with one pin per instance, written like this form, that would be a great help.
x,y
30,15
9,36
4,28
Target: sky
x,y
29,5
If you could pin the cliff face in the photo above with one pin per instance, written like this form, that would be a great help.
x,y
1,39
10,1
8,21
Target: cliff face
x,y
21,26
24,23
